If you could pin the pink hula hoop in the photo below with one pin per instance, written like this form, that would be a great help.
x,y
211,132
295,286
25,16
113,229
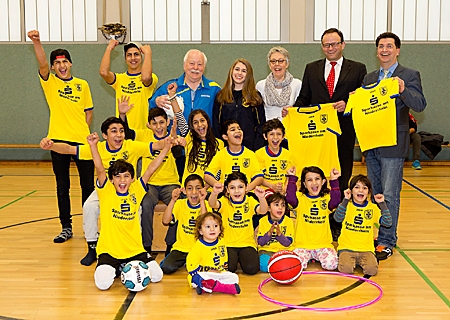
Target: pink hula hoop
x,y
357,306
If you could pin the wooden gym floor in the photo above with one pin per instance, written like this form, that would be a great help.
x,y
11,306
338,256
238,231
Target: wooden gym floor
x,y
43,280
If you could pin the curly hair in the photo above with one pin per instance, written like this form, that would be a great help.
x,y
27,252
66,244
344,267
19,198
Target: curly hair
x,y
201,218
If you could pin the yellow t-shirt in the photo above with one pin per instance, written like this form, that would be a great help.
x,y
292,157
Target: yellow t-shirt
x,y
200,170
274,167
237,221
68,102
357,227
205,257
167,172
186,214
119,216
312,135
226,162
131,85
374,114
312,228
130,151
287,228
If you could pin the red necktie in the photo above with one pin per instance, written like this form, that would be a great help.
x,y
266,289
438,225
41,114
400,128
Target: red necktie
x,y
330,79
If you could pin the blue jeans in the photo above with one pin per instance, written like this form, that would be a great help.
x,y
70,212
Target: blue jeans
x,y
386,175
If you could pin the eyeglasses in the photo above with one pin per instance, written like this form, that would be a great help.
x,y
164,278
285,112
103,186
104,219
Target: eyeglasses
x,y
388,46
331,45
279,61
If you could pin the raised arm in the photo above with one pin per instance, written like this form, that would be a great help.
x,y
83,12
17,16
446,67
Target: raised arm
x,y
154,165
146,70
217,188
104,71
263,207
44,69
93,139
167,216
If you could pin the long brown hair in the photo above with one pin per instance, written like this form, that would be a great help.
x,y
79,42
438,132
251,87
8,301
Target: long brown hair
x,y
212,146
250,95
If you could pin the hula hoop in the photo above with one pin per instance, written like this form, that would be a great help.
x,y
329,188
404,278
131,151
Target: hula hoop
x,y
357,306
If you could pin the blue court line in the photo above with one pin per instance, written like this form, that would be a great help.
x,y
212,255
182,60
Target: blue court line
x,y
427,194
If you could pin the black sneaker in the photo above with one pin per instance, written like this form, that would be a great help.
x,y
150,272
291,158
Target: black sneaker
x,y
383,252
65,235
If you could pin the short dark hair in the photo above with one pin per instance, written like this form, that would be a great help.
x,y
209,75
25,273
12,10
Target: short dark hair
x,y
226,124
364,180
272,125
58,53
385,35
120,166
156,112
193,177
333,30
110,121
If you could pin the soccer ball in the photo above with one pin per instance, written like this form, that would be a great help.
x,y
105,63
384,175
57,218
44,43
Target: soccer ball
x,y
285,267
135,276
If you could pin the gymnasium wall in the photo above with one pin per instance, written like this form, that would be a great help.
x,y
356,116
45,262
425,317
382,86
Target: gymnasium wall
x,y
25,113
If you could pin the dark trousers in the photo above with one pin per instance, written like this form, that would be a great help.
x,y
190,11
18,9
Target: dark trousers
x,y
247,257
174,261
61,169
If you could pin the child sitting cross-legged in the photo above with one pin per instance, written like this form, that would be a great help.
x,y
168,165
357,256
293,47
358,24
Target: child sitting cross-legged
x,y
275,230
185,211
358,215
207,262
120,195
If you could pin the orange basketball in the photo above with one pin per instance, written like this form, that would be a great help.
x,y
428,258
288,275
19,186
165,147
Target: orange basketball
x,y
285,267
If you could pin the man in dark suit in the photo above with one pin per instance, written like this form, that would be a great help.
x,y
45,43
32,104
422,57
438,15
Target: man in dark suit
x,y
318,87
385,164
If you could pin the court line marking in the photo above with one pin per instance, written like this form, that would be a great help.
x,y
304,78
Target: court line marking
x,y
426,194
328,297
18,199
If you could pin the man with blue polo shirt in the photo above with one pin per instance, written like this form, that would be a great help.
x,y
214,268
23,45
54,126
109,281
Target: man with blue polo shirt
x,y
197,91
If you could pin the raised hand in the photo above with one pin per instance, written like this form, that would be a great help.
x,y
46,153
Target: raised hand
x,y
146,49
93,139
113,43
260,192
347,194
291,171
123,104
217,188
172,89
34,35
334,174
378,198
176,194
202,194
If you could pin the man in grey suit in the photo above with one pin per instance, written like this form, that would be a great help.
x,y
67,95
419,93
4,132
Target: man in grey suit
x,y
318,89
385,164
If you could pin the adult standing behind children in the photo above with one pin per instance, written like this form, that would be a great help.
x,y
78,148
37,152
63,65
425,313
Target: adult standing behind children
x,y
330,80
239,100
385,164
138,82
279,89
70,103
197,91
